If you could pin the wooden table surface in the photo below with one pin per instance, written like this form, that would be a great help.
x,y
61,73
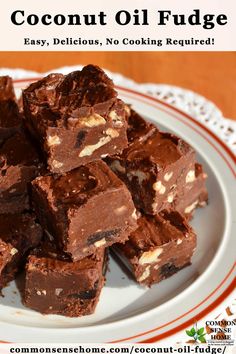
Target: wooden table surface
x,y
212,74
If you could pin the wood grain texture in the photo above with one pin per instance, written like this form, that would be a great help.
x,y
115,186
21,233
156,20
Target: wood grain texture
x,y
212,74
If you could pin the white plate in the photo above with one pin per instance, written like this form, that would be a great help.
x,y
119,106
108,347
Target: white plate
x,y
126,311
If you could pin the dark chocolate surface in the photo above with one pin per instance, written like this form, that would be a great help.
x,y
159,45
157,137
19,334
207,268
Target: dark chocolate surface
x,y
56,285
159,247
6,89
138,128
18,234
152,165
76,118
155,231
18,150
10,118
9,115
84,209
160,148
19,165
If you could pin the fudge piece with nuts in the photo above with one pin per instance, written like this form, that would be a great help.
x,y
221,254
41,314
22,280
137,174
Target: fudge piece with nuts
x,y
10,118
194,194
152,167
138,130
85,209
76,118
161,245
55,285
18,234
187,190
19,165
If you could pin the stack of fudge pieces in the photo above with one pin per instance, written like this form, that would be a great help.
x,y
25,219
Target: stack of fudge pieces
x,y
81,172
167,185
19,165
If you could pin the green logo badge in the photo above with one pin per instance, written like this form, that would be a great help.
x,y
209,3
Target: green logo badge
x,y
197,334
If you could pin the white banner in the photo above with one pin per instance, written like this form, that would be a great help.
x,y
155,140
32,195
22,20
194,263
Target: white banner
x,y
103,25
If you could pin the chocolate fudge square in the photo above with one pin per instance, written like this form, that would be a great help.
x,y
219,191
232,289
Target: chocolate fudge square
x,y
160,246
55,285
185,196
10,118
85,209
151,167
195,193
76,118
18,234
19,165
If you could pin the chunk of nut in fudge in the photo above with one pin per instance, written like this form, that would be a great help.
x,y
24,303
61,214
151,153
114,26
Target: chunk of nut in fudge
x,y
160,246
152,164
76,118
10,118
19,165
85,209
18,234
55,285
194,194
